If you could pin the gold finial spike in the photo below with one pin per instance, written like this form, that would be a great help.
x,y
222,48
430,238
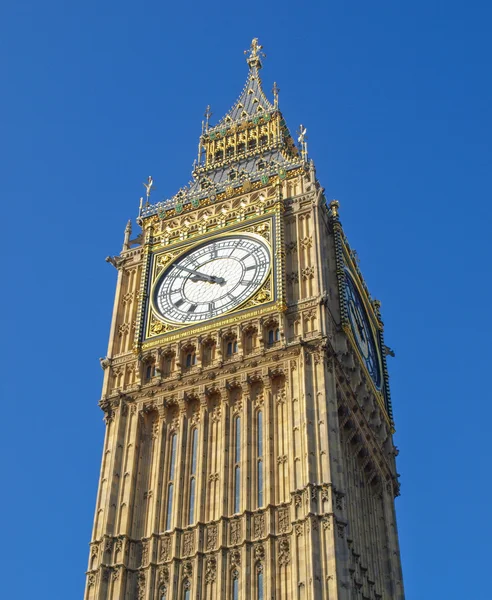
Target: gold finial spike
x,y
334,206
255,54
275,91
148,186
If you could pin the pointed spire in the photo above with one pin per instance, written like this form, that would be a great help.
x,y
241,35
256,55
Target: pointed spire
x,y
128,232
252,102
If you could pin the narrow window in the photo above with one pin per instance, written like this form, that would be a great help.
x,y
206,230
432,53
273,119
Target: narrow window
x,y
163,595
230,151
187,595
194,448
259,456
190,359
235,587
237,466
277,334
231,348
271,336
148,372
252,144
170,485
259,583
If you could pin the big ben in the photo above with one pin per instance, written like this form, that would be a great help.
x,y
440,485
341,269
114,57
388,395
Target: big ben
x,y
249,451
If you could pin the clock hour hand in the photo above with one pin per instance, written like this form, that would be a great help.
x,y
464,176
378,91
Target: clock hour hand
x,y
201,276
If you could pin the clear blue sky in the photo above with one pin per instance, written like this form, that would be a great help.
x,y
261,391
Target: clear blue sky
x,y
396,97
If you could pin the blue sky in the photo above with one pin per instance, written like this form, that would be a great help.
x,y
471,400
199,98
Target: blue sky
x,y
396,97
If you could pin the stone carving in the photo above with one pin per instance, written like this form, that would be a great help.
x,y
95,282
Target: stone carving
x,y
165,548
283,520
210,569
145,552
163,575
299,529
187,569
259,525
307,273
281,459
235,532
283,551
306,242
259,552
115,574
235,558
141,585
188,543
298,500
339,500
211,537
91,579
108,545
325,494
235,574
341,530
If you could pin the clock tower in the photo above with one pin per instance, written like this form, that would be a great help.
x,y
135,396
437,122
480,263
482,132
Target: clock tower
x,y
248,451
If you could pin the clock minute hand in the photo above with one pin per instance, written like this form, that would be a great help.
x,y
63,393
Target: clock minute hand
x,y
202,276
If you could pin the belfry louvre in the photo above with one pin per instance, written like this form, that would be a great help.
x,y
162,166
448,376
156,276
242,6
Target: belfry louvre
x,y
248,450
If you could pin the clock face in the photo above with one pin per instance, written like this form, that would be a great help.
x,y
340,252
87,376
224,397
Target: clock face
x,y
212,279
362,331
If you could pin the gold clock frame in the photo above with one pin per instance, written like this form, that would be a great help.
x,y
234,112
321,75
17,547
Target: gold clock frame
x,y
197,244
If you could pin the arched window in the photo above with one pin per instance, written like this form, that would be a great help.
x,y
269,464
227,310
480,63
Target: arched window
x,y
194,450
231,347
170,484
237,465
241,147
259,457
273,335
230,151
190,359
251,144
149,372
235,585
259,584
263,140
219,155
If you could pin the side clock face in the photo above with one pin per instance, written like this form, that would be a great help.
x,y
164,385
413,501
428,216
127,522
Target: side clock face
x,y
212,279
362,331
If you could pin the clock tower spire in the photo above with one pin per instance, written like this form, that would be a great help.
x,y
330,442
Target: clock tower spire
x,y
248,450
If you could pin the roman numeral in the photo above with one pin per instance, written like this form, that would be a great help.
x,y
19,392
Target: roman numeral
x,y
192,308
179,302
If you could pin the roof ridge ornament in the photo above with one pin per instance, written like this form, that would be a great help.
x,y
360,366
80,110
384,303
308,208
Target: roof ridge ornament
x,y
255,54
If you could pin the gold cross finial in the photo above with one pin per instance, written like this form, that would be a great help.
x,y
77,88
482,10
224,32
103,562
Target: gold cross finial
x,y
255,54
148,186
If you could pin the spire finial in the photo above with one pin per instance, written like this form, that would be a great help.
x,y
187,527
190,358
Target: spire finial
x,y
148,186
334,206
302,140
207,115
255,54
275,91
128,232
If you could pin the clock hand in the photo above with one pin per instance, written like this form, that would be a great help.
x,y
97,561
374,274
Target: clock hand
x,y
202,276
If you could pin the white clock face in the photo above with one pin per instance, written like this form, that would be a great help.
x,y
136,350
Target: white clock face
x,y
212,279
